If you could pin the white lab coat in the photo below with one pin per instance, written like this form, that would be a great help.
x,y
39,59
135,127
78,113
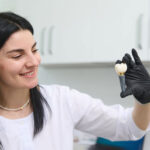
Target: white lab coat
x,y
69,109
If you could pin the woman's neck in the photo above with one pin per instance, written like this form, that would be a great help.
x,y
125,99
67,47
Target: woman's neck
x,y
13,98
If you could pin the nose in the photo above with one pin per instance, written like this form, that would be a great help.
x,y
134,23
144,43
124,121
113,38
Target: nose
x,y
32,61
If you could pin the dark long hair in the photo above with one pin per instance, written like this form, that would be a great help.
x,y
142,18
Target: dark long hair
x,y
9,24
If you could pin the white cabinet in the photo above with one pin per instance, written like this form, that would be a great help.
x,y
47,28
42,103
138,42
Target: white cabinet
x,y
7,5
87,31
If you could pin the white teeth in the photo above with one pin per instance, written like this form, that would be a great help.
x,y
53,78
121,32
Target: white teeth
x,y
28,74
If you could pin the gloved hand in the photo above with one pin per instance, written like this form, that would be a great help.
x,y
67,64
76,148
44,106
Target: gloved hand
x,y
137,79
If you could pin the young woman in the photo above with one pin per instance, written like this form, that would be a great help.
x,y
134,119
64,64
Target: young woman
x,y
35,117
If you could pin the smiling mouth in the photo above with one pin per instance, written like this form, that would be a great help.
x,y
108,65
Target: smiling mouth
x,y
29,74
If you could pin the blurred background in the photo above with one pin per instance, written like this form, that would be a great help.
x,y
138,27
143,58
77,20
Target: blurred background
x,y
80,40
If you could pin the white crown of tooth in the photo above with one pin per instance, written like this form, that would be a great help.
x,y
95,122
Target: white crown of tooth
x,y
121,68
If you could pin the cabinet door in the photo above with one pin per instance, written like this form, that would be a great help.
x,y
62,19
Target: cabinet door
x,y
72,31
119,26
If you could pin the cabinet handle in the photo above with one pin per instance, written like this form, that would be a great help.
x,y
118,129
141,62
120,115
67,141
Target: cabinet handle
x,y
143,32
42,39
140,31
50,39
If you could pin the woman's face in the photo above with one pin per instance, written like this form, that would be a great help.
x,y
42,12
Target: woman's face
x,y
19,61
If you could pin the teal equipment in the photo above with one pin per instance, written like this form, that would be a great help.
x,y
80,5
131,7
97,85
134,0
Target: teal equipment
x,y
124,145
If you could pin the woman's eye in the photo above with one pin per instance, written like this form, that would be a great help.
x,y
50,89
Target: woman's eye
x,y
15,57
35,50
18,56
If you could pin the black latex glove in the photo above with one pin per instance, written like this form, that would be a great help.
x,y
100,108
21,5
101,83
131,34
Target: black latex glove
x,y
137,79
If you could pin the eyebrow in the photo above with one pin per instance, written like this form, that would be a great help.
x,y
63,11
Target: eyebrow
x,y
20,50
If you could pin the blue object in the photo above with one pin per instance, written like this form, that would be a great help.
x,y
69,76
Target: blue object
x,y
125,145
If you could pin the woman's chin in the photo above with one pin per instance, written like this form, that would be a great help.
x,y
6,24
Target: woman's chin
x,y
30,86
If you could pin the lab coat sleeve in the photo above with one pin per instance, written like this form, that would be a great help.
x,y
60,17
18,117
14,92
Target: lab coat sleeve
x,y
92,116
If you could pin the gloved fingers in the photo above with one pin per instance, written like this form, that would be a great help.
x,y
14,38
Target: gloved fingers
x,y
139,93
136,57
127,92
142,92
128,60
118,62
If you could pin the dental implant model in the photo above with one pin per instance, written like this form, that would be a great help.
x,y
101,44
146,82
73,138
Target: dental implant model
x,y
120,70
